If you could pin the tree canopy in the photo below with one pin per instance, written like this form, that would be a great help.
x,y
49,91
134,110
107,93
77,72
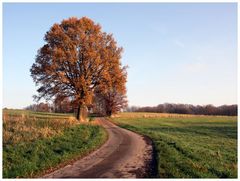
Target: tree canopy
x,y
77,59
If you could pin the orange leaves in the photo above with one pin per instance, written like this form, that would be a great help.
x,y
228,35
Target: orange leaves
x,y
77,59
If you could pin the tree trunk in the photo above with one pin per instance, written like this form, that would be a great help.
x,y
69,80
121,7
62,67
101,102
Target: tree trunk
x,y
78,112
82,113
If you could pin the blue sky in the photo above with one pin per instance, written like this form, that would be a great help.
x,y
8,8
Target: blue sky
x,y
177,53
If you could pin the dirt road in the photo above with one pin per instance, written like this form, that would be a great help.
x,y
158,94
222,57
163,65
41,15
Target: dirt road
x,y
124,155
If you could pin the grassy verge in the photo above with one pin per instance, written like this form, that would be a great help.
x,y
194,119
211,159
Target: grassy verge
x,y
28,152
191,146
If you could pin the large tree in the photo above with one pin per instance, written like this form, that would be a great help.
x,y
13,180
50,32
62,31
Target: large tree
x,y
78,58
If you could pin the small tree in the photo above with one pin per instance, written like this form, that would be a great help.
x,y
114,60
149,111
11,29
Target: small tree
x,y
114,99
113,102
76,59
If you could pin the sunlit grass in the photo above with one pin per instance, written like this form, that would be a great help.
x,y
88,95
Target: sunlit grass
x,y
25,126
194,146
34,142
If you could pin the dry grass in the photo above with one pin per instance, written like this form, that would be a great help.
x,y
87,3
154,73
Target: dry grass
x,y
155,115
34,142
26,126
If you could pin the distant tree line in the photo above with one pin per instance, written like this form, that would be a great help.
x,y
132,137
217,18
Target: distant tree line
x,y
41,107
103,104
63,106
228,110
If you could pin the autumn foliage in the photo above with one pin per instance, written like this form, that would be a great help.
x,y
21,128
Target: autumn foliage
x,y
114,99
77,62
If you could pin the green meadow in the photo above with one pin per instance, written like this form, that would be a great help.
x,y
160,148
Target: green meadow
x,y
34,142
188,146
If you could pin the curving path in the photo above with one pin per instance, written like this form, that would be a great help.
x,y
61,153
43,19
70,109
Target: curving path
x,y
124,155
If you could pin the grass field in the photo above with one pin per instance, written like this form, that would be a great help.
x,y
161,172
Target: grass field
x,y
188,146
34,142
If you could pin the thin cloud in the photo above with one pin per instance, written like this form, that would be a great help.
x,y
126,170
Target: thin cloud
x,y
159,28
179,44
196,67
